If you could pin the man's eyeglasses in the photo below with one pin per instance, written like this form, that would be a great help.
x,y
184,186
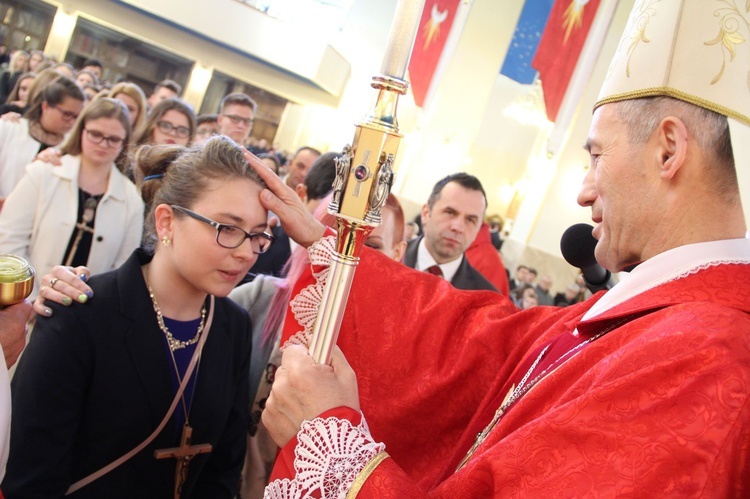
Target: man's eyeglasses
x,y
167,127
66,115
231,236
98,138
239,119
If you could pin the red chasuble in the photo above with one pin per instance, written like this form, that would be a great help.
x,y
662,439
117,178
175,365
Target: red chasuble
x,y
657,406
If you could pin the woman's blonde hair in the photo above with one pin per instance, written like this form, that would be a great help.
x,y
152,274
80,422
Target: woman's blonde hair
x,y
134,92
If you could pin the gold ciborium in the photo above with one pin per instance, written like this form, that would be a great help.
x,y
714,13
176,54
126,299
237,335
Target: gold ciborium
x,y
16,279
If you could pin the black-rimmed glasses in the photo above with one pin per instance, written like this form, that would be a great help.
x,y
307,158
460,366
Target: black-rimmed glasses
x,y
231,236
239,119
99,137
66,115
167,127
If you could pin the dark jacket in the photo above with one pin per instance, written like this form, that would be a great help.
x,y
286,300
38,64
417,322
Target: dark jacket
x,y
94,382
466,277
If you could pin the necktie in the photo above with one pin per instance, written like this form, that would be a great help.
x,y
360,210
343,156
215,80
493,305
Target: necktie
x,y
435,270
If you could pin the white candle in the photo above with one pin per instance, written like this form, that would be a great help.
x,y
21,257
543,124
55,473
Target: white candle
x,y
401,38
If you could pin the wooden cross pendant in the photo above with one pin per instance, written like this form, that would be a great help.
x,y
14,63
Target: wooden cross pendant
x,y
183,454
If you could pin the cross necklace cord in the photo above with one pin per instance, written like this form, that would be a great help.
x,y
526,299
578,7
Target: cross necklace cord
x,y
186,451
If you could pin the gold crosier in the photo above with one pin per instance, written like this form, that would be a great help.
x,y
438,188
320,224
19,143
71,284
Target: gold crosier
x,y
364,175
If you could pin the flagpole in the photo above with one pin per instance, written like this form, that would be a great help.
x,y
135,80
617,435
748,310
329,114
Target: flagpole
x,y
581,76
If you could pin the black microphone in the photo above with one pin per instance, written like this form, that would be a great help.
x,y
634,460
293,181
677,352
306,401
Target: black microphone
x,y
577,246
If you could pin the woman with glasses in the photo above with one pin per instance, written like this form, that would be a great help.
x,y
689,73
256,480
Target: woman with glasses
x,y
170,122
148,382
52,113
85,212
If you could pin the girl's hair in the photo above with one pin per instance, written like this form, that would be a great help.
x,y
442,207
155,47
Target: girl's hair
x,y
13,96
43,78
134,92
14,58
90,73
145,134
53,94
175,175
100,108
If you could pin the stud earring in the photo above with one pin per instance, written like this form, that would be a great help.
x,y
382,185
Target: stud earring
x,y
166,241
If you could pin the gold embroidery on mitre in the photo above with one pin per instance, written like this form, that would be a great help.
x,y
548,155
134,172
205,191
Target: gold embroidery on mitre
x,y
638,33
677,94
729,37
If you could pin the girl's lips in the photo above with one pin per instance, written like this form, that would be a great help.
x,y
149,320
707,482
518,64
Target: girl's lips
x,y
230,275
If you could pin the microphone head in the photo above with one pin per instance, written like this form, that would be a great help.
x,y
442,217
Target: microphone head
x,y
577,245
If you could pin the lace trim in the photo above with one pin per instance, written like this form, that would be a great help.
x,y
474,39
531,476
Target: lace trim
x,y
329,456
707,265
305,305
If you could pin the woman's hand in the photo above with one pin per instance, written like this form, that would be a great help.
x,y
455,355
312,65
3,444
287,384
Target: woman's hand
x,y
51,156
63,285
298,223
14,117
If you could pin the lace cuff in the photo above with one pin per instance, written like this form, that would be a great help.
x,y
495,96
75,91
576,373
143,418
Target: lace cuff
x,y
305,305
329,455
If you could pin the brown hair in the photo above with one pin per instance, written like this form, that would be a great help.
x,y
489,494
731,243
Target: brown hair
x,y
180,175
53,94
238,98
145,134
134,92
13,96
100,108
170,84
43,78
394,206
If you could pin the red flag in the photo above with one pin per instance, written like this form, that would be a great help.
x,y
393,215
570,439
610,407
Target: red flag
x,y
434,27
560,46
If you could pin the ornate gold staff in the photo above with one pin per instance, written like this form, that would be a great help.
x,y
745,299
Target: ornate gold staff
x,y
364,175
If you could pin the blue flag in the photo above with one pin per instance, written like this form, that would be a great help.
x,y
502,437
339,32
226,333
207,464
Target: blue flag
x,y
517,64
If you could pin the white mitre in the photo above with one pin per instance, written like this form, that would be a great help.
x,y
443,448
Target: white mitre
x,y
693,50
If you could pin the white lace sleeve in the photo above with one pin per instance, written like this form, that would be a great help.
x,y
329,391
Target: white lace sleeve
x,y
329,456
305,305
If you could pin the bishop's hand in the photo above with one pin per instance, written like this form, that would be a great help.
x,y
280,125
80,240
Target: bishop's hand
x,y
298,223
302,390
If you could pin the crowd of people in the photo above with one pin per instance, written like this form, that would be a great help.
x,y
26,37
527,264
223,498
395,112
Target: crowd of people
x,y
180,267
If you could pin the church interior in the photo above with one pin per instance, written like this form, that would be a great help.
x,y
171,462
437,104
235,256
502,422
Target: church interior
x,y
309,65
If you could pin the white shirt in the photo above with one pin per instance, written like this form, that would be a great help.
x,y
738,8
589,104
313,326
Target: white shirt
x,y
671,265
425,261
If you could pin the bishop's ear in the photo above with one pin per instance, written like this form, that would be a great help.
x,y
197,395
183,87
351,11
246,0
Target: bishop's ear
x,y
672,146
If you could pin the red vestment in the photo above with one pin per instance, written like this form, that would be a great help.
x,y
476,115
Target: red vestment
x,y
659,405
483,256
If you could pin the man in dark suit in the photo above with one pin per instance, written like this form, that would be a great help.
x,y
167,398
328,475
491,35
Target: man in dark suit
x,y
451,220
